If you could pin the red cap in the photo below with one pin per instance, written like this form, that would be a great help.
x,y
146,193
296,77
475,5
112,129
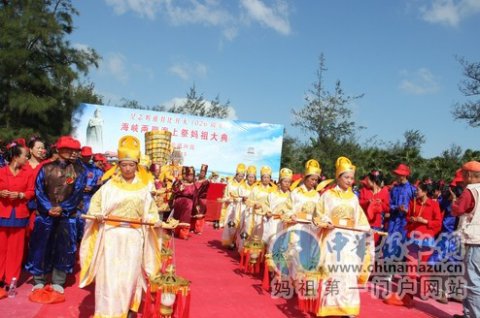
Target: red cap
x,y
86,151
99,157
402,170
458,178
21,142
68,142
473,166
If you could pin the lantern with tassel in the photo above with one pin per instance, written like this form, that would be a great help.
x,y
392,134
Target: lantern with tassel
x,y
252,255
308,288
172,296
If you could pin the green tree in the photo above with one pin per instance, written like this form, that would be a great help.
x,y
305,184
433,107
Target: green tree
x,y
197,105
470,87
39,67
326,115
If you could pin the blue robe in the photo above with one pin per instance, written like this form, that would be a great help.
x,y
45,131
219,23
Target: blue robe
x,y
400,195
94,174
53,242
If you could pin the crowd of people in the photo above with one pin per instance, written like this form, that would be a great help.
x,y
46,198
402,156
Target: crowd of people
x,y
421,224
63,203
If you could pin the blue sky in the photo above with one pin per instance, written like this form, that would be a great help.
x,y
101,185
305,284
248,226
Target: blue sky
x,y
263,55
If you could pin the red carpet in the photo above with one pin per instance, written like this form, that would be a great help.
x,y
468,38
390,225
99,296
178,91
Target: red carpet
x,y
218,290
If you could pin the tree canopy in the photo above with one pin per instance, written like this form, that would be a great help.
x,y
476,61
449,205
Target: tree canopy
x,y
470,88
39,68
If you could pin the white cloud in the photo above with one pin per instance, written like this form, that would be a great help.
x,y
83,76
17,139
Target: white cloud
x,y
208,13
144,8
419,82
450,12
213,13
178,101
115,65
275,17
187,71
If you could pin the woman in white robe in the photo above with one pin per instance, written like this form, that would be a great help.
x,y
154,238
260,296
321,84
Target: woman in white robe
x,y
116,253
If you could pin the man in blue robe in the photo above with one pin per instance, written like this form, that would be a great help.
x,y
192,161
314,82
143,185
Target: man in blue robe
x,y
53,243
400,196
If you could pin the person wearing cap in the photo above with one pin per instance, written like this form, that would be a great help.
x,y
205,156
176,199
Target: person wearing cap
x,y
302,200
230,217
122,241
298,213
243,193
467,207
100,161
256,204
94,176
276,200
59,188
184,193
338,211
400,196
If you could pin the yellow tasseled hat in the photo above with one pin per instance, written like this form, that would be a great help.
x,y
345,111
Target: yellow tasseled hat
x,y
312,167
266,170
241,168
343,164
129,149
252,170
286,173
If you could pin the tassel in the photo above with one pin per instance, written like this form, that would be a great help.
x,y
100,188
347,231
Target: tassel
x,y
186,312
147,303
266,278
242,255
178,307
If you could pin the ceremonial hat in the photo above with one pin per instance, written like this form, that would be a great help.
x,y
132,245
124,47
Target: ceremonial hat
x,y
252,170
342,165
266,170
241,168
402,170
86,151
129,149
188,170
286,173
312,167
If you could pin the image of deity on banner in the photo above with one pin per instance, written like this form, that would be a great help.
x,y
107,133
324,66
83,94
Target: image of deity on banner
x,y
95,131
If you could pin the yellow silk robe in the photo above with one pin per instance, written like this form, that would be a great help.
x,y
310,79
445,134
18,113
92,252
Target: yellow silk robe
x,y
339,293
115,255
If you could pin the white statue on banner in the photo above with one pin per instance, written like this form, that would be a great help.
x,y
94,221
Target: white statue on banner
x,y
95,131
